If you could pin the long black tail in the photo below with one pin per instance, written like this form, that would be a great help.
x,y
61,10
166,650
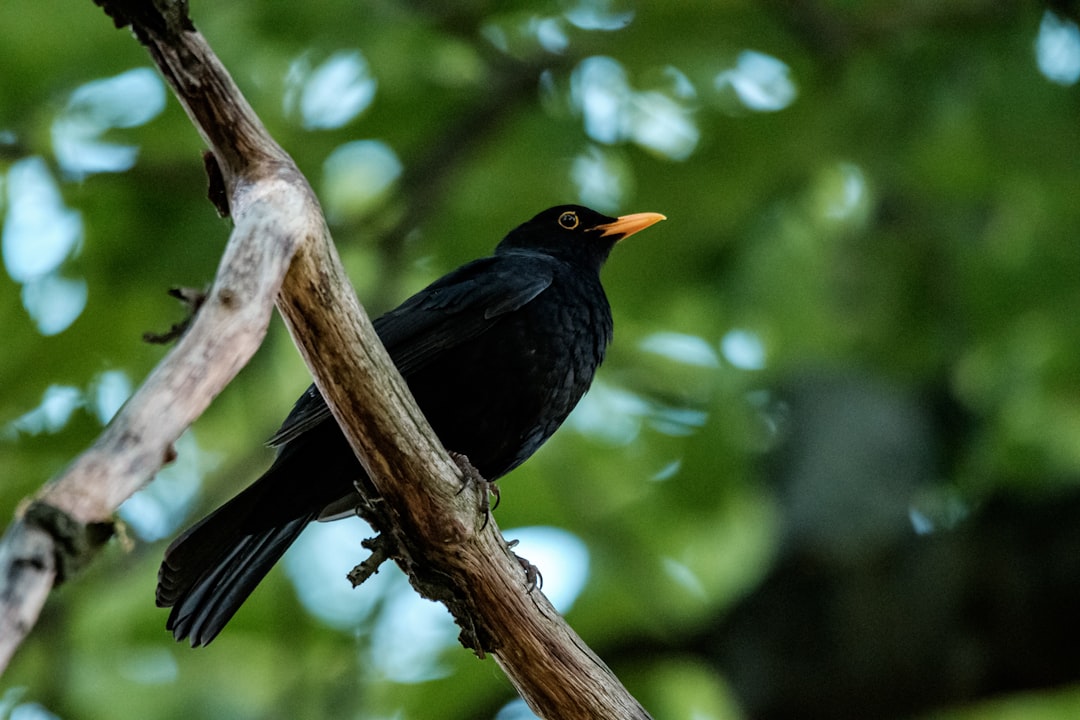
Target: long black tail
x,y
210,570
205,586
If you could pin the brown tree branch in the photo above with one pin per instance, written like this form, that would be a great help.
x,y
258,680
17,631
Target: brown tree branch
x,y
135,445
415,497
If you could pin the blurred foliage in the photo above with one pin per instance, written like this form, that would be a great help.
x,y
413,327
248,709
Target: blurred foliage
x,y
877,192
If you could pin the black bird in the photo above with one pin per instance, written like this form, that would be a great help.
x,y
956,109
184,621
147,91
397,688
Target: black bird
x,y
497,354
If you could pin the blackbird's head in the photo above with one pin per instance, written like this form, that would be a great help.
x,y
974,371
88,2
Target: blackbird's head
x,y
575,233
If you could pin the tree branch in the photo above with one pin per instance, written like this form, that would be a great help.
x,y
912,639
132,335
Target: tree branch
x,y
223,337
415,496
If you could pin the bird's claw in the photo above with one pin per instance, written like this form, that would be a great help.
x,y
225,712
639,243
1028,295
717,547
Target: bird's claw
x,y
533,578
472,476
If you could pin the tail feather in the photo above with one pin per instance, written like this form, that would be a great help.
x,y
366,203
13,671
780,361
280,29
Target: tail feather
x,y
210,570
201,606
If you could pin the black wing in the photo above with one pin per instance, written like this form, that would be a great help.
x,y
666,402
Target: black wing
x,y
450,311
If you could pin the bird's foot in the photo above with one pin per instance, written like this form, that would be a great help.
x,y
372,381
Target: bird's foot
x,y
487,487
533,578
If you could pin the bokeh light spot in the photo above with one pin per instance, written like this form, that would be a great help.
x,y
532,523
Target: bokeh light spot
x,y
54,412
602,179
743,349
357,176
761,82
127,100
40,232
1057,49
681,347
610,414
332,94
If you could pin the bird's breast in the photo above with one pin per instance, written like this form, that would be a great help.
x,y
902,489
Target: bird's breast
x,y
498,397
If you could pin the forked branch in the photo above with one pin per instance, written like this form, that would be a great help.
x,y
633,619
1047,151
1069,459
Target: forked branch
x,y
280,250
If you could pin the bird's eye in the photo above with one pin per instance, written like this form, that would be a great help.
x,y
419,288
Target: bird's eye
x,y
568,220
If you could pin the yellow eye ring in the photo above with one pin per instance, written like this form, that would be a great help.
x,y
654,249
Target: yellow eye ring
x,y
568,220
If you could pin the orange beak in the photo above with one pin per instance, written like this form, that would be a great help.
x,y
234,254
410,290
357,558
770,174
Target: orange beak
x,y
627,225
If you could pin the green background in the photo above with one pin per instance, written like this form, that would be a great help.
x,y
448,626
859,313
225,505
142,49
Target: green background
x,y
886,218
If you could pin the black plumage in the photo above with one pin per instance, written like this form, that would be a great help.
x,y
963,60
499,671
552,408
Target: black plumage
x,y
497,353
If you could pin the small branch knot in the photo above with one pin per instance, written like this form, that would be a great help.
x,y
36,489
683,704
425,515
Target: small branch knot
x,y
75,543
382,549
194,300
